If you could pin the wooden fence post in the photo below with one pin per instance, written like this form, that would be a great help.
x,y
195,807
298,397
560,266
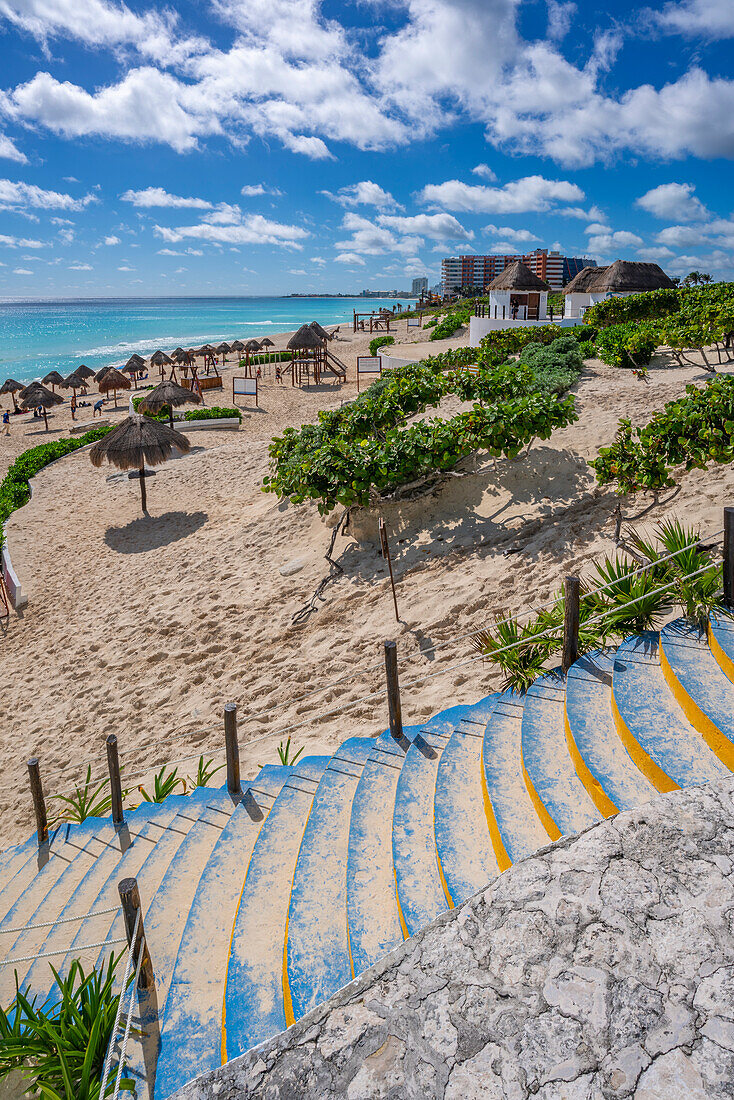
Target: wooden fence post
x,y
572,600
729,557
232,748
130,900
39,803
113,764
393,690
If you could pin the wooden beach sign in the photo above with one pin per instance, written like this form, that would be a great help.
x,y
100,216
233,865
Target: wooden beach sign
x,y
244,387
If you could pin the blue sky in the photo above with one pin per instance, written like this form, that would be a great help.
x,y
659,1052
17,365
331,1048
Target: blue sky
x,y
267,146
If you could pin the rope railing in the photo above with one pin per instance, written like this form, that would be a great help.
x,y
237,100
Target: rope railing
x,y
116,1025
62,951
64,920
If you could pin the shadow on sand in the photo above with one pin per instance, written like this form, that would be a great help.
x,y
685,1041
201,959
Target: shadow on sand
x,y
153,532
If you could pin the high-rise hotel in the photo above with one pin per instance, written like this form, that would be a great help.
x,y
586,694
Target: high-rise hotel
x,y
479,271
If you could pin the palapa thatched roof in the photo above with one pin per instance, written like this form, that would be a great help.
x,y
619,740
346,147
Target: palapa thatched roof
x,y
223,348
160,359
74,382
53,378
84,372
167,394
138,440
319,330
252,345
11,386
135,362
582,282
518,276
304,338
206,349
113,380
180,356
236,345
266,342
630,275
36,394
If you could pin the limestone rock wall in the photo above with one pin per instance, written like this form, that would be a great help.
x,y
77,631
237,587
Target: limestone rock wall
x,y
601,967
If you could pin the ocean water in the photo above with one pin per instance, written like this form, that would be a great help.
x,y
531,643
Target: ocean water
x,y
39,336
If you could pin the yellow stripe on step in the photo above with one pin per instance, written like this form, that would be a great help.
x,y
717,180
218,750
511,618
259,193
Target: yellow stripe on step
x,y
401,918
723,659
700,721
545,818
444,883
596,792
652,772
500,852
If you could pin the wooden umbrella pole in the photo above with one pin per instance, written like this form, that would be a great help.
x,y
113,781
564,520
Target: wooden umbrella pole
x,y
143,495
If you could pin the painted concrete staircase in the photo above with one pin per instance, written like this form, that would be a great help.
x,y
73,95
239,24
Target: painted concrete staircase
x,y
258,909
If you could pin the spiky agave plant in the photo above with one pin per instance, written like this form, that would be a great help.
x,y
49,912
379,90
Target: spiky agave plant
x,y
630,601
698,594
204,772
164,783
59,1049
89,799
531,646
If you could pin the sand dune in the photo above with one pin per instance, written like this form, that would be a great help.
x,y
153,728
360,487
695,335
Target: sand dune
x,y
145,628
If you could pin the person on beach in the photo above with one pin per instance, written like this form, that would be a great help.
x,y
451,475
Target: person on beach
x,y
6,423
98,407
73,406
278,377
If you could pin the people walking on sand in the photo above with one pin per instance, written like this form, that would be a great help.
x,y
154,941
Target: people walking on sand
x,y
278,375
73,406
97,407
6,423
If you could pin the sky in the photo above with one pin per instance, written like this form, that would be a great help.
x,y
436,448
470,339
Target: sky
x,y
272,146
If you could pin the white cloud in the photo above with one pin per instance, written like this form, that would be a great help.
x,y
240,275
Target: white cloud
x,y
606,243
374,240
484,172
597,227
66,236
649,253
681,236
177,252
80,267
532,193
349,258
438,227
296,271
560,16
18,194
251,190
708,18
519,236
19,242
10,151
21,271
125,268
111,240
364,193
253,229
593,214
673,200
158,197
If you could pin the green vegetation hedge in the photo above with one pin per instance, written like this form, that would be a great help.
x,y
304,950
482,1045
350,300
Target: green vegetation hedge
x,y
201,412
14,490
380,342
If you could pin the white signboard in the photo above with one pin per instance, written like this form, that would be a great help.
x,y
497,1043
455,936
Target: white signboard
x,y
368,364
414,322
244,387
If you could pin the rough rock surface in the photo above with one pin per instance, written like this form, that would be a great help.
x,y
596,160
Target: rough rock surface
x,y
600,967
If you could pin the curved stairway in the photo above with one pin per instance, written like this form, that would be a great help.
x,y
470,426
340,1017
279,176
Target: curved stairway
x,y
258,908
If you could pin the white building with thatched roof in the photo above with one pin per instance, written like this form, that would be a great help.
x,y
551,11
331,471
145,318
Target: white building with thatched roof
x,y
618,280
517,298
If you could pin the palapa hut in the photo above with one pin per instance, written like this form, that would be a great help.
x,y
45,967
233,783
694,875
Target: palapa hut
x,y
113,379
84,372
36,394
266,343
12,387
224,349
74,382
309,355
53,379
319,330
135,441
166,395
251,347
180,356
160,359
618,280
518,294
236,345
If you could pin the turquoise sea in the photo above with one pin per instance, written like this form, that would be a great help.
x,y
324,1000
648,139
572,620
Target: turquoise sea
x,y
39,336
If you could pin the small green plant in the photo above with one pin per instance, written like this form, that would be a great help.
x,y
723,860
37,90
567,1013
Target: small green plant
x,y
60,1050
164,783
88,800
204,773
380,342
284,752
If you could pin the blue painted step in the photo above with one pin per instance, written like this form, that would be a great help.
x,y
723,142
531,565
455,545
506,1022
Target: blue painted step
x,y
465,852
660,740
703,692
319,959
255,1005
515,827
721,641
191,1034
549,771
372,908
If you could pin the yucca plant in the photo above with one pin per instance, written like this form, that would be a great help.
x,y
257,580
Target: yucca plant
x,y
630,601
204,773
164,783
697,595
88,800
522,664
59,1049
284,752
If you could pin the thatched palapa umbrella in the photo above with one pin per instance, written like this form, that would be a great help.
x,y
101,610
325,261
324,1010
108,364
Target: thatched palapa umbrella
x,y
319,330
303,342
36,394
166,395
12,387
53,379
113,380
224,349
135,441
74,382
236,345
180,356
84,372
160,359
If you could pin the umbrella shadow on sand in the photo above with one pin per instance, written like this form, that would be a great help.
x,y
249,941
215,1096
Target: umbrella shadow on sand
x,y
153,532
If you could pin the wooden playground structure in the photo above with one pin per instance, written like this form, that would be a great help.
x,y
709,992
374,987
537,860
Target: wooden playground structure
x,y
375,321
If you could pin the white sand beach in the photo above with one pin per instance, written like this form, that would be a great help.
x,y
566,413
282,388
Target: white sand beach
x,y
146,627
